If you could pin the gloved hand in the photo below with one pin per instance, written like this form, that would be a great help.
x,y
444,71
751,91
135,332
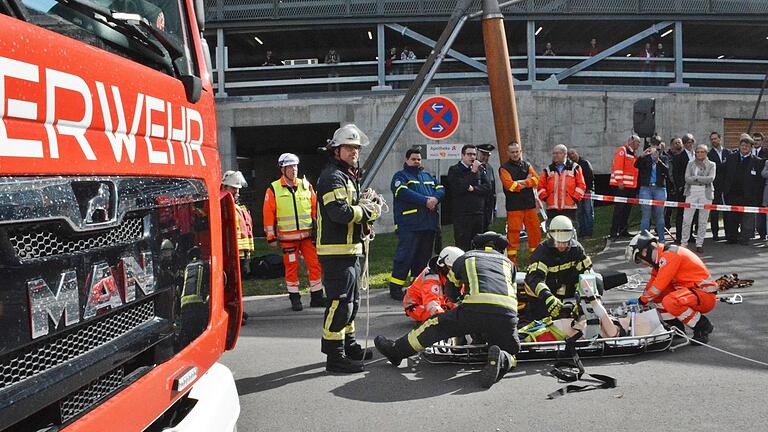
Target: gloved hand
x,y
371,209
640,300
553,306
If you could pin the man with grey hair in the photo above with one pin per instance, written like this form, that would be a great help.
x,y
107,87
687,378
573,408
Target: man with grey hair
x,y
679,165
561,185
624,179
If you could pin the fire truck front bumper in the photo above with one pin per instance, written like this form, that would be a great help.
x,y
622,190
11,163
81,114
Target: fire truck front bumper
x,y
218,404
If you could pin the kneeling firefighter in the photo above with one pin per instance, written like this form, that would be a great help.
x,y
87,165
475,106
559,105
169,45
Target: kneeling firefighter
x,y
680,285
484,281
553,273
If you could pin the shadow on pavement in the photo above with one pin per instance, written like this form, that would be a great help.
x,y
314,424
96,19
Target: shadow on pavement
x,y
246,386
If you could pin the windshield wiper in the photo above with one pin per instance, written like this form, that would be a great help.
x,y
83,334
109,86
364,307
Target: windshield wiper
x,y
135,27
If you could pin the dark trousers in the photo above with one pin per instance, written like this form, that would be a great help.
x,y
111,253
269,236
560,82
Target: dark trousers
x,y
621,211
670,211
341,277
414,248
465,227
498,329
739,226
714,215
760,224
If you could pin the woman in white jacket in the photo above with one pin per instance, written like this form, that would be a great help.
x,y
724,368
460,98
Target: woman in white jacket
x,y
699,175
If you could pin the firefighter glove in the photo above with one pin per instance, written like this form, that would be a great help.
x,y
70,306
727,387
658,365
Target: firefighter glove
x,y
553,306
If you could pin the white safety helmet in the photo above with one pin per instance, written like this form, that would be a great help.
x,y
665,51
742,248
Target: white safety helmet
x,y
561,229
348,134
234,179
287,159
448,256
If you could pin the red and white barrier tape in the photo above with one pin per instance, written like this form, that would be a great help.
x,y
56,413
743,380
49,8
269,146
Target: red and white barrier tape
x,y
659,203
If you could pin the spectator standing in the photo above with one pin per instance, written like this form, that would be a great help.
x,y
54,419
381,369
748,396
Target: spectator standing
x,y
519,180
407,55
469,189
660,50
679,164
743,181
647,54
624,179
484,155
416,197
269,60
675,147
719,155
653,176
289,216
699,176
561,185
333,58
548,51
761,152
593,49
660,66
585,207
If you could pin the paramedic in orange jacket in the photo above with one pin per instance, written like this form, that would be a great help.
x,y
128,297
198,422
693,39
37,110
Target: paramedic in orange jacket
x,y
680,284
624,179
561,185
519,181
290,212
425,298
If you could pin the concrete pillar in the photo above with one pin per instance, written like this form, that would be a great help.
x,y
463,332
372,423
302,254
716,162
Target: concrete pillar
x,y
382,54
226,138
678,56
221,63
531,52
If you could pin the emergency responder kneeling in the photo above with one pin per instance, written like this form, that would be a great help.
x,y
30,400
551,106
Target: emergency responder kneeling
x,y
483,280
342,217
680,285
425,298
289,216
553,272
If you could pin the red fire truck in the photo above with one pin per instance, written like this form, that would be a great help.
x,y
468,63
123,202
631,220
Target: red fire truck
x,y
118,259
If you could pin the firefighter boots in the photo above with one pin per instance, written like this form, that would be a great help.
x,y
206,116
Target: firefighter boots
x,y
295,299
498,364
316,299
396,292
702,330
387,348
339,363
356,352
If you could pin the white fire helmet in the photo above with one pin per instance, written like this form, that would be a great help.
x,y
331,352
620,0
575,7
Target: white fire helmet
x,y
561,229
448,256
234,179
348,134
287,159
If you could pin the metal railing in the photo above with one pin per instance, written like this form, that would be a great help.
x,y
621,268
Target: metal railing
x,y
250,10
613,71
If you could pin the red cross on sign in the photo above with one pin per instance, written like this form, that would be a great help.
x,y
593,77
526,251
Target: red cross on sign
x,y
437,118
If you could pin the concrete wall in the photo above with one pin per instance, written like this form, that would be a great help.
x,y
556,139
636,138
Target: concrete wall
x,y
593,122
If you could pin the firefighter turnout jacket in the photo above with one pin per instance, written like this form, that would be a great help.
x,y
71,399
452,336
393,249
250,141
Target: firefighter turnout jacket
x,y
562,187
411,187
289,211
552,270
339,216
425,297
623,169
486,280
679,268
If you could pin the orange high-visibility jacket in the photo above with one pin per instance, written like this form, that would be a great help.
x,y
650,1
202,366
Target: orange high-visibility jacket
x,y
562,190
270,211
678,268
623,169
425,297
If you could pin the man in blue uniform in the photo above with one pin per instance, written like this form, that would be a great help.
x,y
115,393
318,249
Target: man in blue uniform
x,y
416,196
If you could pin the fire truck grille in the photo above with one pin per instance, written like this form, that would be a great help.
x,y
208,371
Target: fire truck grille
x,y
78,402
30,245
37,359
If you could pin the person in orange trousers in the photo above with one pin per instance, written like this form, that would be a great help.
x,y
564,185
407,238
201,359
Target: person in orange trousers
x,y
680,285
290,212
519,180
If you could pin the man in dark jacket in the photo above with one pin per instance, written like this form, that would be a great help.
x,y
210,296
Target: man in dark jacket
x,y
469,188
586,210
416,197
653,176
742,185
719,155
484,155
762,152
679,163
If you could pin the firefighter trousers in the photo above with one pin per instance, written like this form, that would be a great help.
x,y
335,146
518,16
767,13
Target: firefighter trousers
x,y
414,248
516,219
291,252
341,277
685,304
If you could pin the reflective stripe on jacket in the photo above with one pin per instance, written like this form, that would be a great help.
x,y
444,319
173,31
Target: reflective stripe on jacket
x,y
623,169
425,298
244,229
410,188
488,279
288,213
562,190
678,268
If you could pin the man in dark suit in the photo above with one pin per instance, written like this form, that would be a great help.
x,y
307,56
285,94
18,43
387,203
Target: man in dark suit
x,y
742,185
469,188
679,163
484,155
717,154
760,151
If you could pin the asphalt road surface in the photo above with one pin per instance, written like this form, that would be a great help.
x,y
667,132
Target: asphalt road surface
x,y
283,385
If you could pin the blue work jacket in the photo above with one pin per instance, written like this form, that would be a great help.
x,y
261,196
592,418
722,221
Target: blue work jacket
x,y
411,187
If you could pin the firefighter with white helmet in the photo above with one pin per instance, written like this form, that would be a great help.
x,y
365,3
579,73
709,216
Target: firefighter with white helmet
x,y
289,216
231,183
553,272
484,282
340,220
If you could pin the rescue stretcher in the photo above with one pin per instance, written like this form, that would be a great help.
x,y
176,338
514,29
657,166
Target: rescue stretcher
x,y
645,334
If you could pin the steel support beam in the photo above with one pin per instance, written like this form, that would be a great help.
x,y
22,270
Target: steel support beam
x,y
531,52
405,31
221,65
613,50
415,92
381,48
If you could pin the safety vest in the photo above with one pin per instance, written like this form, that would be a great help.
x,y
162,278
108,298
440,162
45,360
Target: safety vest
x,y
244,229
294,210
623,169
488,278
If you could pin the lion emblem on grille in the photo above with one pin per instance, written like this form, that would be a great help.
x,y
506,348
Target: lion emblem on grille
x,y
98,206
